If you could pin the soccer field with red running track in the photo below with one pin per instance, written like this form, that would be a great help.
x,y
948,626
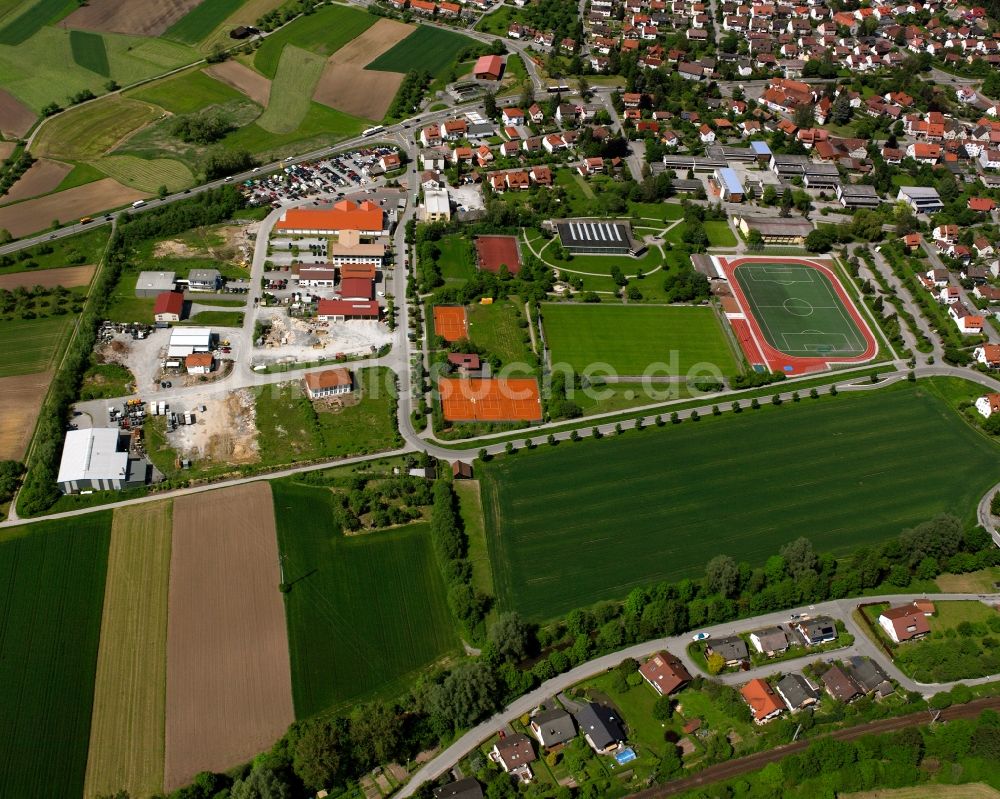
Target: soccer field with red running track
x,y
451,322
490,400
775,359
494,251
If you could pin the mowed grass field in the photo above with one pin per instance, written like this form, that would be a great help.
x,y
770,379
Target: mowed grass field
x,y
719,234
292,90
201,20
322,33
364,611
845,471
430,49
88,132
90,52
147,175
188,92
52,578
32,345
630,338
126,736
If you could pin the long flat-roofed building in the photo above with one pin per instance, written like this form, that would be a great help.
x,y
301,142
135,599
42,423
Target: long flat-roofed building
x,y
186,340
776,230
730,187
858,195
597,236
152,284
93,460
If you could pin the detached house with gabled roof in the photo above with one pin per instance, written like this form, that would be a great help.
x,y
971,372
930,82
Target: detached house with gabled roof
x,y
764,703
553,727
665,672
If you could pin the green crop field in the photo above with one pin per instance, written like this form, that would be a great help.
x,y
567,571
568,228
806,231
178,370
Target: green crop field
x,y
52,575
798,310
86,133
719,234
201,20
292,90
430,49
188,92
90,52
147,175
322,126
31,345
25,25
322,33
838,470
364,612
630,338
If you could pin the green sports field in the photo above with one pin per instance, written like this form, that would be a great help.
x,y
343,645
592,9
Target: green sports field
x,y
52,575
798,310
364,611
629,338
570,525
430,49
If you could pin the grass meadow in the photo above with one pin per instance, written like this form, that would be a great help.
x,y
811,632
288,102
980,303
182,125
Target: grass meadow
x,y
52,575
496,327
88,132
126,737
430,49
201,20
292,90
631,337
32,345
83,248
322,33
845,471
147,174
187,93
364,612
90,52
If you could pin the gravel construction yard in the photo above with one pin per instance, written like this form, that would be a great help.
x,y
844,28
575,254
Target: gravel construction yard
x,y
31,216
229,688
350,338
225,432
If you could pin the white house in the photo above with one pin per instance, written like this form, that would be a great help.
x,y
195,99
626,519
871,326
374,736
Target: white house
x,y
988,405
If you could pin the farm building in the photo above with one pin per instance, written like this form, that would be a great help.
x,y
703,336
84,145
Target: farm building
x,y
329,383
92,460
365,218
665,672
199,363
776,231
461,470
204,280
597,237
186,340
153,284
342,310
356,288
488,67
169,307
317,276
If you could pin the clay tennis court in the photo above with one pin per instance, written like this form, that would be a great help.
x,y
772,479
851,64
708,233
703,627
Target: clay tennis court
x,y
451,322
347,86
68,276
31,216
20,400
243,79
42,177
814,315
229,685
16,118
494,251
490,400
139,17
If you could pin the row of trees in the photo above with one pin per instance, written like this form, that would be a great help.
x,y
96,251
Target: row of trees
x,y
40,491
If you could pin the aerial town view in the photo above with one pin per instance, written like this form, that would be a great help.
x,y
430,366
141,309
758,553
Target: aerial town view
x,y
485,399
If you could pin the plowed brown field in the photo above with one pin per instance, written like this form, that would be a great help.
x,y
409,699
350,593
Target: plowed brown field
x,y
347,86
229,687
139,17
243,79
20,399
31,216
42,177
68,276
16,118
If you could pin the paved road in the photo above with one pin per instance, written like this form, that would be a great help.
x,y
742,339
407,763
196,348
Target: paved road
x,y
678,645
754,762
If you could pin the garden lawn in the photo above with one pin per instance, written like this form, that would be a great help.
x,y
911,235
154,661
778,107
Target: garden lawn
x,y
836,469
52,575
630,338
365,612
429,49
496,327
323,33
962,644
719,234
32,345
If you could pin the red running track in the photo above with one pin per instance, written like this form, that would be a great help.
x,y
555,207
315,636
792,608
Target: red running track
x,y
776,360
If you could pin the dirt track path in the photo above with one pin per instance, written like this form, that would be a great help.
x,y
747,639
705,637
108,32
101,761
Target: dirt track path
x,y
744,765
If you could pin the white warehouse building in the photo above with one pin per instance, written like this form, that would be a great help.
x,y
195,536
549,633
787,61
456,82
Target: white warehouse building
x,y
187,340
92,460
